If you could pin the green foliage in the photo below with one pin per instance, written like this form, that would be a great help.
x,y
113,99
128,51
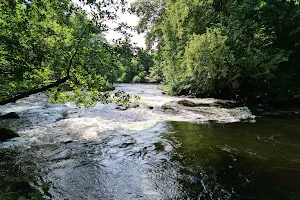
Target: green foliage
x,y
125,54
225,48
133,63
156,71
33,196
48,43
37,195
136,79
124,98
150,12
209,61
140,78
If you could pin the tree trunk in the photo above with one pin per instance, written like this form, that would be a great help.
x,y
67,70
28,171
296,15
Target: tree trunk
x,y
34,91
46,87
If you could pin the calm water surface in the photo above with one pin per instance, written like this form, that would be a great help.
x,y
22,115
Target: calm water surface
x,y
240,160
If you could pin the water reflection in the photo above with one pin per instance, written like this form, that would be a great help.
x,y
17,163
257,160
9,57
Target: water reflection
x,y
174,160
239,161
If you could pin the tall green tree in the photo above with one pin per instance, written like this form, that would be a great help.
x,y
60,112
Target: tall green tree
x,y
254,54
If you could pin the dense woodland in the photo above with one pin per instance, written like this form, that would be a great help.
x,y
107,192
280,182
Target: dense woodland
x,y
244,50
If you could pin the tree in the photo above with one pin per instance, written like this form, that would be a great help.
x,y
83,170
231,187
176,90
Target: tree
x,y
45,44
156,71
209,62
151,15
133,62
258,58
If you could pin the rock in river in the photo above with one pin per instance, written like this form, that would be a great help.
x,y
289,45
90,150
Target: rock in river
x,y
11,115
187,103
6,133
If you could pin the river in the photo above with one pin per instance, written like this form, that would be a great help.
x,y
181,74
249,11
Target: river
x,y
149,152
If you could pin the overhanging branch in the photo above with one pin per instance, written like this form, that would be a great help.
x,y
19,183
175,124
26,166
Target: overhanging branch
x,y
44,88
34,91
51,85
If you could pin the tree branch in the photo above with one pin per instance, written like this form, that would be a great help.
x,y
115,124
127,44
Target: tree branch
x,y
44,88
34,91
47,87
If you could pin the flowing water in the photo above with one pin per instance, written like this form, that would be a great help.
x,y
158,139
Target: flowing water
x,y
149,152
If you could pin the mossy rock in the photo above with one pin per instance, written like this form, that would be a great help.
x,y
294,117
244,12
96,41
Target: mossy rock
x,y
6,133
167,107
187,103
111,88
172,105
134,105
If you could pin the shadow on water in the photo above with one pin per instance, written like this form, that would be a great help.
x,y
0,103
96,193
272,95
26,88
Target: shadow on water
x,y
15,177
240,160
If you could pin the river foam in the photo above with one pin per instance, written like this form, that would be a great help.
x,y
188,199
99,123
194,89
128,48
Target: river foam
x,y
104,152
92,121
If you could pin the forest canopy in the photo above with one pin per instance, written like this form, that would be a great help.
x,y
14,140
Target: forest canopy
x,y
246,50
58,46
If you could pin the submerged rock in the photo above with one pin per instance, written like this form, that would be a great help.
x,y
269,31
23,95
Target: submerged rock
x,y
121,107
135,105
6,133
11,115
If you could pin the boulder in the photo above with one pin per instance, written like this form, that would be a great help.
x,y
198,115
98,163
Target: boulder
x,y
166,107
216,103
172,105
11,115
187,103
6,133
134,105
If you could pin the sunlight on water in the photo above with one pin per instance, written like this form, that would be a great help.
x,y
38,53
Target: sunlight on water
x,y
151,152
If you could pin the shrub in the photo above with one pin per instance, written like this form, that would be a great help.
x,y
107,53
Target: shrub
x,y
209,62
136,79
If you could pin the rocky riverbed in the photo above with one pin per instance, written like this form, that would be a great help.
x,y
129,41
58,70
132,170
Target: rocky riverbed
x,y
110,152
